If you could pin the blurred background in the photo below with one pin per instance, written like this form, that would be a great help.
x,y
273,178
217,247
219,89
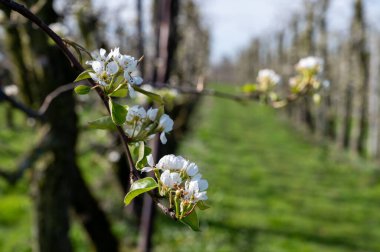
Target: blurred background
x,y
301,178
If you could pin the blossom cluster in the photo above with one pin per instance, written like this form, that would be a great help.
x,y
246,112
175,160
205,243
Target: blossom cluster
x,y
267,79
308,69
141,124
311,64
107,67
180,180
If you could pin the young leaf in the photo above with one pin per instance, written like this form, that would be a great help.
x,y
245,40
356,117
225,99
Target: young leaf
x,y
142,152
202,205
118,112
138,187
153,96
82,89
119,93
84,75
192,221
105,123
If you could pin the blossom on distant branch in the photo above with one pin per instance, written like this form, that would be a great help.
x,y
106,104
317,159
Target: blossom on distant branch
x,y
268,78
311,63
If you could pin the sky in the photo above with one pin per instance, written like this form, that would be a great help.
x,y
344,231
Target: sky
x,y
234,23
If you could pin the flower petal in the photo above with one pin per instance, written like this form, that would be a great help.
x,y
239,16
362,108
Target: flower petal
x,y
112,68
97,66
150,160
163,138
147,169
132,92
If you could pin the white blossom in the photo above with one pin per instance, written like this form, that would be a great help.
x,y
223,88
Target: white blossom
x,y
166,124
11,90
152,114
310,63
265,75
103,69
171,179
136,113
150,162
195,191
192,169
172,162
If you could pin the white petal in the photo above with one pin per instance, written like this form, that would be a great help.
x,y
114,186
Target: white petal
x,y
147,169
102,52
203,184
166,123
94,77
192,169
163,138
176,178
152,114
132,92
112,68
201,196
138,80
150,160
97,66
165,178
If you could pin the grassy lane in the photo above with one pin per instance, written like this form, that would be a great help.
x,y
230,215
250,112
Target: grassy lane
x,y
271,189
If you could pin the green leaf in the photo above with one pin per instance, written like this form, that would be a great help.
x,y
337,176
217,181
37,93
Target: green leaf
x,y
192,221
141,152
153,96
82,89
118,81
105,123
119,93
118,112
84,75
202,205
138,187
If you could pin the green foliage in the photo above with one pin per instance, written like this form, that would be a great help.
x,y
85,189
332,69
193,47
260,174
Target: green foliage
x,y
104,123
84,75
202,205
118,112
153,96
142,151
249,88
192,221
138,187
82,89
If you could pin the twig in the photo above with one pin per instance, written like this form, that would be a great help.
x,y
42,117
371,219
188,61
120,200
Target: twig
x,y
20,106
45,105
27,162
210,92
50,97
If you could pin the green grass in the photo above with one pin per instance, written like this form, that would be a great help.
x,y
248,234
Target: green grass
x,y
271,189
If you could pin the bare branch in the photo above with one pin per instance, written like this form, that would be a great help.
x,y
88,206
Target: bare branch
x,y
12,177
45,105
211,92
18,105
50,97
